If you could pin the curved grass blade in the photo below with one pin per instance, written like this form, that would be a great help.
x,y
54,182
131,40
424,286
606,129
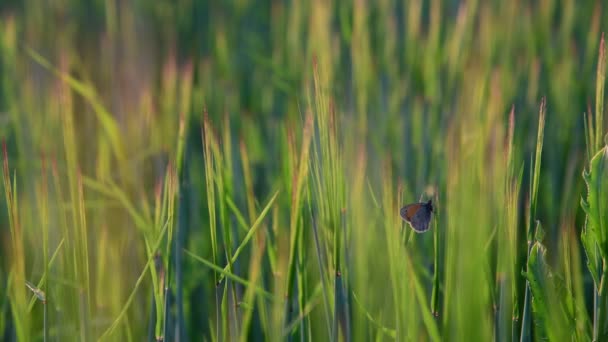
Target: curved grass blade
x,y
387,331
108,123
251,232
148,264
229,275
44,275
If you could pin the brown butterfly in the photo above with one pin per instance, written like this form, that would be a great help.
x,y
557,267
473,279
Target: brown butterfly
x,y
418,215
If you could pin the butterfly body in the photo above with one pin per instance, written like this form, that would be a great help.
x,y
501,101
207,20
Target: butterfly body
x,y
418,215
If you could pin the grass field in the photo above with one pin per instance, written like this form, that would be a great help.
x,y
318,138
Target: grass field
x,y
234,170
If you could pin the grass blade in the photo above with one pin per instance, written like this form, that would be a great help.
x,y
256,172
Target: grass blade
x,y
148,264
229,275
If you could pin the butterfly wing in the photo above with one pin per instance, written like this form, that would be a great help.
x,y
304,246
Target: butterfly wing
x,y
420,221
418,215
408,212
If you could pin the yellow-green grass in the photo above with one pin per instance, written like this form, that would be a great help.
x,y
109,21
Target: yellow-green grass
x,y
202,170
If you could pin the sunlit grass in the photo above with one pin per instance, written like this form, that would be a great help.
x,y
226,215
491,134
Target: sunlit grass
x,y
234,171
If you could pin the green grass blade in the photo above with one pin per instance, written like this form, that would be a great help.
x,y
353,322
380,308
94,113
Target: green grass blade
x,y
599,95
140,279
103,115
229,275
252,230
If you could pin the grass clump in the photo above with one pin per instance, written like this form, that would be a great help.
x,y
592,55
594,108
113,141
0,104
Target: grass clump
x,y
205,171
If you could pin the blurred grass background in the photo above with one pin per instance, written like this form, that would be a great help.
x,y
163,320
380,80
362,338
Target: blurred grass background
x,y
201,170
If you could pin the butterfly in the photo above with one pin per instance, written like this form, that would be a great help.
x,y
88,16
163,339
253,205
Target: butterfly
x,y
418,215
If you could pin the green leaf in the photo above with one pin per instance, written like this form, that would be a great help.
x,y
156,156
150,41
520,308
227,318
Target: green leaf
x,y
589,245
552,318
596,207
537,275
539,234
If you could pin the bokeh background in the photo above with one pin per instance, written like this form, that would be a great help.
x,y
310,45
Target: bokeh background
x,y
233,170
